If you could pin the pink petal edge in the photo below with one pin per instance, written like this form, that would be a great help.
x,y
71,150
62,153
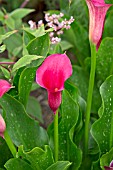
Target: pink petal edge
x,y
55,69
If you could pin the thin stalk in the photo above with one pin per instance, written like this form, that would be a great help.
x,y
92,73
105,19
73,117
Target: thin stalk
x,y
10,144
7,63
56,136
90,93
24,3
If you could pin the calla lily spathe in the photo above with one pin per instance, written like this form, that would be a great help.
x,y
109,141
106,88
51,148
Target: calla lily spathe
x,y
51,75
97,13
4,87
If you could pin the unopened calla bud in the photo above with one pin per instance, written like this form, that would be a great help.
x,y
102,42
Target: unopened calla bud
x,y
2,126
97,13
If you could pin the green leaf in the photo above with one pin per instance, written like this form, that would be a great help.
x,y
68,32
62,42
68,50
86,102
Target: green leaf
x,y
2,48
24,61
10,23
20,13
79,11
8,34
38,158
60,165
25,84
74,93
5,72
27,37
55,48
14,92
65,45
104,66
17,164
106,159
108,26
64,4
39,46
1,16
35,86
102,129
70,115
80,78
79,41
22,129
14,45
34,109
5,153
87,162
36,32
96,165
68,121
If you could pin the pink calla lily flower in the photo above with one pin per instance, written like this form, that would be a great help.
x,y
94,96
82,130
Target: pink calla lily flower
x,y
4,87
51,75
2,126
97,13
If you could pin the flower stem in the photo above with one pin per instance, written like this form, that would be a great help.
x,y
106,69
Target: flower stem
x,y
90,93
10,144
7,63
56,136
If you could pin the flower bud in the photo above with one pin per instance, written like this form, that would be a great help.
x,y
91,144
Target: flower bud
x,y
2,126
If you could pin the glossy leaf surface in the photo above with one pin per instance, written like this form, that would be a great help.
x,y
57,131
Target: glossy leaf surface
x,y
104,135
20,126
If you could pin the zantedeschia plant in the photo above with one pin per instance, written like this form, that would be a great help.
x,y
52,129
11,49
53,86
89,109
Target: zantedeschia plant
x,y
51,75
54,53
97,13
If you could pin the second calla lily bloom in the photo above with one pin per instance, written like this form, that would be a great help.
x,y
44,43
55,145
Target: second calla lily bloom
x,y
97,13
5,86
51,75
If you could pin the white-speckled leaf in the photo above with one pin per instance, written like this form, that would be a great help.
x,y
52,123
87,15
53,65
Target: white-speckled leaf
x,y
24,61
102,129
68,149
22,129
38,158
104,66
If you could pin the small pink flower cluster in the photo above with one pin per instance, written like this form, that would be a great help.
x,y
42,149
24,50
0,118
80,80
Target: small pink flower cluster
x,y
33,24
53,21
